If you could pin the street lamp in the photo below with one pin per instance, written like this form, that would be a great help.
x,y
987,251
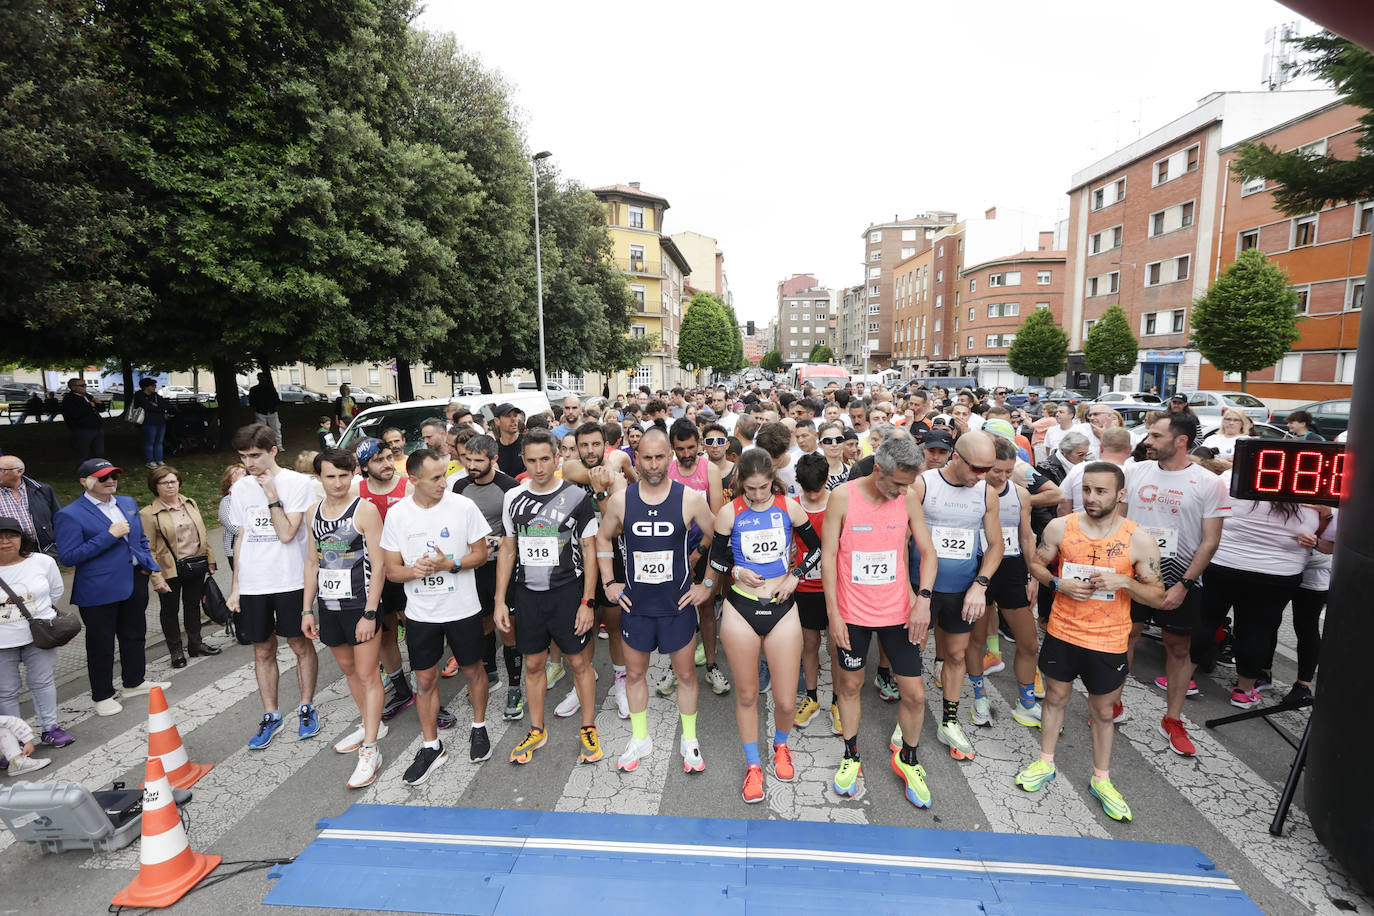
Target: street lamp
x,y
538,263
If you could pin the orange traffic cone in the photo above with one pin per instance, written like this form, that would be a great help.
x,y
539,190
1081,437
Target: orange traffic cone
x,y
164,743
167,867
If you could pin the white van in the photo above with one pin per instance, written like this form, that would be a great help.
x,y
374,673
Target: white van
x,y
408,416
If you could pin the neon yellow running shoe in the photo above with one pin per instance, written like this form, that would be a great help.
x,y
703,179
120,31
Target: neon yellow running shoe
x,y
1112,802
1036,775
847,776
914,775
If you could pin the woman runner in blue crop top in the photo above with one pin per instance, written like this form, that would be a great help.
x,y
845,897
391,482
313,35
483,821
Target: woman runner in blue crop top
x,y
753,543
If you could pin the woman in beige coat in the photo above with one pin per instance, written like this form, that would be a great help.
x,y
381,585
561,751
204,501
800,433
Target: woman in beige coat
x,y
181,546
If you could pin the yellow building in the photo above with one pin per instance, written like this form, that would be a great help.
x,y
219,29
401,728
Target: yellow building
x,y
655,270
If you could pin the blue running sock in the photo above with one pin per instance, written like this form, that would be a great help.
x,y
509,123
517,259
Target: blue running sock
x,y
780,737
980,688
1027,692
751,753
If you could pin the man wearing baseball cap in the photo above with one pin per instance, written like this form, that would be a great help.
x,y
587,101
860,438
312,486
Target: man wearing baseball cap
x,y
101,536
508,439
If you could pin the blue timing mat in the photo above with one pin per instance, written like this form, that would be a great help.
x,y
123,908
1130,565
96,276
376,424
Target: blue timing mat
x,y
478,861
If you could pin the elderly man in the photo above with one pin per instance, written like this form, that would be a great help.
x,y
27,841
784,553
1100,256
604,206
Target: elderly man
x,y
32,503
101,535
81,413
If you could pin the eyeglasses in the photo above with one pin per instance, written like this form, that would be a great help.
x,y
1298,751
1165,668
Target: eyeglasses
x,y
17,467
169,482
715,440
832,440
975,468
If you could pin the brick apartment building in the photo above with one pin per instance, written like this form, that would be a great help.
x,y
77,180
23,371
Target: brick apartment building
x,y
885,246
997,295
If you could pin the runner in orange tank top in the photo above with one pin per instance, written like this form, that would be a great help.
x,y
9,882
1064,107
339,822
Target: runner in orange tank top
x,y
1107,562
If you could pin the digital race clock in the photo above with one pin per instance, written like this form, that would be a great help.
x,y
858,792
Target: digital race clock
x,y
1289,470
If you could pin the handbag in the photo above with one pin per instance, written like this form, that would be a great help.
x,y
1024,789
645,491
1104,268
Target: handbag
x,y
136,416
47,634
193,566
213,603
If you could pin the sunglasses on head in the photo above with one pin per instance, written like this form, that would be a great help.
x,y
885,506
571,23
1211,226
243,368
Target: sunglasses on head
x,y
832,440
715,440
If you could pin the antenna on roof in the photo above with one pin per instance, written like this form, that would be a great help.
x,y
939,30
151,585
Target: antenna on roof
x,y
1279,56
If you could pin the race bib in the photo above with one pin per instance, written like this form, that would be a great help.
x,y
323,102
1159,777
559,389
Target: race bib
x,y
1167,539
653,567
764,546
336,583
953,543
434,584
814,573
1011,540
873,567
258,524
538,551
1084,573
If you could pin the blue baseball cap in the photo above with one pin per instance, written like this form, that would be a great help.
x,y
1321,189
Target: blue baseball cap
x,y
368,449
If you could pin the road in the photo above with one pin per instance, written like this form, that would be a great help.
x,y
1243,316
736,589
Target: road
x,y
257,805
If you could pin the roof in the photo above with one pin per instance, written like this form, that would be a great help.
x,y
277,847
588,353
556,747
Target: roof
x,y
1038,257
625,190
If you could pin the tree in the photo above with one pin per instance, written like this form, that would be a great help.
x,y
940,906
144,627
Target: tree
x,y
1041,347
1248,319
1308,183
1111,349
771,362
737,360
820,353
704,340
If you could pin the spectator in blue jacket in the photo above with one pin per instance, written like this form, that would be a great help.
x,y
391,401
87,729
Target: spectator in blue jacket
x,y
33,503
101,535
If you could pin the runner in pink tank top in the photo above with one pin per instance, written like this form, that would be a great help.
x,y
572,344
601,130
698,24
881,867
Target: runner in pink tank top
x,y
872,577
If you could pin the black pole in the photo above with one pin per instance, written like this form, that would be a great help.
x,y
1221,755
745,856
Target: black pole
x,y
1340,748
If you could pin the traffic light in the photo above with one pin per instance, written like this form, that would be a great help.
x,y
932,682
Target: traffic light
x,y
749,328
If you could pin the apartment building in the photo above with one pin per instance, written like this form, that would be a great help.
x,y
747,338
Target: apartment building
x,y
806,317
708,265
885,245
913,318
1143,230
997,296
1324,254
851,330
656,271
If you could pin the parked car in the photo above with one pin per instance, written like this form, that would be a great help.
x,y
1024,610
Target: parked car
x,y
1143,397
1258,431
467,391
182,393
1071,396
553,389
295,394
1329,418
408,416
1210,404
363,396
1020,396
19,393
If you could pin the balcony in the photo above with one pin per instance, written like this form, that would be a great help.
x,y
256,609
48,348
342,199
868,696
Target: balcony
x,y
640,267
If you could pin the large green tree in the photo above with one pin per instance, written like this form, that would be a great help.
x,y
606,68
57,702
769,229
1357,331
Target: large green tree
x,y
1248,319
1041,347
1111,348
771,361
705,340
821,353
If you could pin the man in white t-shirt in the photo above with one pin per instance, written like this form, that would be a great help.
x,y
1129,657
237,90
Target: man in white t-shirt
x,y
433,540
268,507
1116,448
1182,505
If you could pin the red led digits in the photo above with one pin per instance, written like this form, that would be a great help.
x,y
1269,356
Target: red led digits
x,y
1337,488
1269,470
1307,473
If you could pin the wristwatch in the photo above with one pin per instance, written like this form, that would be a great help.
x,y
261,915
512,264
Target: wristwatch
x,y
797,572
982,580
369,615
1190,584
457,567
589,603
1054,583
276,503
602,496
925,593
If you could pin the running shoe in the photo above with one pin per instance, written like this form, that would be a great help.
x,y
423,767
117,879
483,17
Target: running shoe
x,y
1036,775
1179,742
1162,683
765,676
667,684
427,760
591,744
1004,630
267,730
981,711
393,706
451,668
354,739
310,721
835,727
992,663
782,763
1264,682
914,775
369,762
895,742
753,784
493,679
602,633
1119,713
21,765
887,687
534,739
515,704
569,705
1226,655
622,699
1112,802
56,737
1242,699
1298,693
1027,717
691,756
700,655
636,750
445,719
553,673
479,745
847,777
719,685
1039,685
951,734
805,711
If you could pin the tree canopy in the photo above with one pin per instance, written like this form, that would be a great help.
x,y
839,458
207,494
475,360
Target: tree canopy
x,y
771,361
1248,319
705,339
821,353
1041,347
1111,348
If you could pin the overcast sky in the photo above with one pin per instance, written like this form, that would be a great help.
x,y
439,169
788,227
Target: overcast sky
x,y
784,129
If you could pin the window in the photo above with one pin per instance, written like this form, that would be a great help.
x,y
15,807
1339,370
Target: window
x,y
374,377
806,316
1247,240
875,236
1355,300
1091,289
873,308
1157,223
992,340
1304,231
1088,326
793,328
637,291
1042,305
295,376
973,284
875,255
1251,186
636,257
972,313
1003,309
937,348
1113,281
907,252
937,324
1043,278
1153,273
1289,368
1345,368
939,301
1162,172
1182,264
875,290
1315,148
1011,278
956,322
1177,165
1364,217
874,273
908,235
346,376
638,331
644,375
636,217
1098,199
970,343
1179,317
331,377
1303,293
1191,156
873,327
1187,214
1150,325
426,378
940,251
1120,189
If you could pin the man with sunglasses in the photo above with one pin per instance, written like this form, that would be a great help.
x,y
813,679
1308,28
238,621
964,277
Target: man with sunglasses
x,y
958,505
715,440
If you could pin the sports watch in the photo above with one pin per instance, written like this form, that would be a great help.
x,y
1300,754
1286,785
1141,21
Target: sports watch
x,y
982,580
369,615
925,593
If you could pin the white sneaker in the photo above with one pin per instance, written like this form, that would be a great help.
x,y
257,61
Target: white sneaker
x,y
637,749
1027,717
981,711
354,739
108,707
570,705
21,765
369,762
667,685
691,756
145,687
719,685
895,742
622,699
